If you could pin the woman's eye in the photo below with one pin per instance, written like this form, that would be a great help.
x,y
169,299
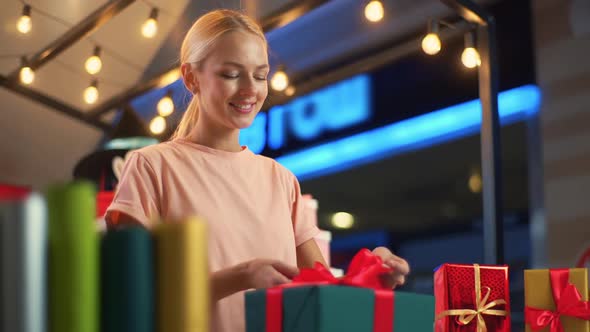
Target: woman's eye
x,y
230,76
260,78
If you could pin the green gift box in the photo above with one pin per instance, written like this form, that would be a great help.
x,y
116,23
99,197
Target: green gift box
x,y
329,308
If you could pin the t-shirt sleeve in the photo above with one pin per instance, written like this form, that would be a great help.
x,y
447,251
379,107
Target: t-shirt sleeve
x,y
304,227
137,192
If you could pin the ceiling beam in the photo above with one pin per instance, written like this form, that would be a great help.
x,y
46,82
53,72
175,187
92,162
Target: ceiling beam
x,y
76,33
289,13
277,19
469,10
51,102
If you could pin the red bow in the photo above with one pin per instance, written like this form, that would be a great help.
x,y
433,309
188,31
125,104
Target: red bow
x,y
568,302
365,271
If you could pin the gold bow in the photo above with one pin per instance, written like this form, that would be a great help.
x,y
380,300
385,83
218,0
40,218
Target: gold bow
x,y
483,308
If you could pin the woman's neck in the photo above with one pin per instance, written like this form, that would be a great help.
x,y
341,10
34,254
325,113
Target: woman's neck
x,y
216,138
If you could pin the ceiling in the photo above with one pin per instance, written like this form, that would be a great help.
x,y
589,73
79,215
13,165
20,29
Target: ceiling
x,y
404,193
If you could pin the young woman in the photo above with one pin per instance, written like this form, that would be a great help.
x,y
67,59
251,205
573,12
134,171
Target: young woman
x,y
258,235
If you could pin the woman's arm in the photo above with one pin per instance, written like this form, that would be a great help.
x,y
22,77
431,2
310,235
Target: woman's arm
x,y
228,281
256,274
308,253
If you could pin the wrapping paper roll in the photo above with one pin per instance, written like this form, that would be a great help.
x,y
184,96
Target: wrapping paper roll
x,y
73,258
127,281
23,242
182,276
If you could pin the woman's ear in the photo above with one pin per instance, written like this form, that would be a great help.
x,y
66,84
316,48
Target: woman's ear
x,y
189,77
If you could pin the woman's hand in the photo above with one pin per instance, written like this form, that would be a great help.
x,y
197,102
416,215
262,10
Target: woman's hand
x,y
400,267
257,273
266,273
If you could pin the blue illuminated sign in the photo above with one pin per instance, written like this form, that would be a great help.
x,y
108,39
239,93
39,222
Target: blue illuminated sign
x,y
415,133
333,108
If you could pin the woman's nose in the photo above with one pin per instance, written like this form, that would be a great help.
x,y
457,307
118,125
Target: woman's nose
x,y
248,87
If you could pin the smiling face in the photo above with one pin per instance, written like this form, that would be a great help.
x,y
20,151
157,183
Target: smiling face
x,y
231,82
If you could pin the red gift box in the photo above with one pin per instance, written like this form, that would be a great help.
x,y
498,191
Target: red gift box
x,y
472,298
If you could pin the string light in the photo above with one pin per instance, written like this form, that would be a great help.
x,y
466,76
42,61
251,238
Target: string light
x,y
94,64
290,90
91,93
343,220
374,11
26,74
431,42
470,56
24,23
475,183
166,105
158,125
280,80
150,26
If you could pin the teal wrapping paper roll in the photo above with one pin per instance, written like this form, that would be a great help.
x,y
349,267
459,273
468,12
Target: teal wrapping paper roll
x,y
73,258
127,281
23,247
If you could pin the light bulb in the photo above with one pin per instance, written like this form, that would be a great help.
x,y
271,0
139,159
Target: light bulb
x,y
150,26
343,220
27,75
91,93
374,11
165,106
470,57
24,24
431,44
158,125
475,183
93,64
290,90
279,81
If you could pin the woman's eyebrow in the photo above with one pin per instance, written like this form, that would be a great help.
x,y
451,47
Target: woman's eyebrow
x,y
235,64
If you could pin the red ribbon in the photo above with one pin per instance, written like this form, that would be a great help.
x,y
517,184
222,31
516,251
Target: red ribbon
x,y
568,302
364,271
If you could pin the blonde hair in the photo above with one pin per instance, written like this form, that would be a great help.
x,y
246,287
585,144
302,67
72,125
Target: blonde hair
x,y
197,44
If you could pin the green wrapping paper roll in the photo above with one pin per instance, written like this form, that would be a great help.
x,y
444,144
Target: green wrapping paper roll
x,y
127,276
73,258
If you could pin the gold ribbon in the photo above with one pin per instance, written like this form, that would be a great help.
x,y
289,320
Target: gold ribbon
x,y
483,308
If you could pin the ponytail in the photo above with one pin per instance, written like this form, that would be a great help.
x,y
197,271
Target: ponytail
x,y
189,119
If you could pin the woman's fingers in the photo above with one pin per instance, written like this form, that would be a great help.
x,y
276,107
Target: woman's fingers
x,y
286,269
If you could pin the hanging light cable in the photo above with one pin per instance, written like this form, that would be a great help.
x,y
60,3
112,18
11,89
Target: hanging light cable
x,y
94,64
470,56
26,74
24,23
374,11
91,92
166,105
280,80
150,26
431,42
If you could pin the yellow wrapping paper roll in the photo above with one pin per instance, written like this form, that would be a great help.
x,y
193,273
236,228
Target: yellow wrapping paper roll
x,y
182,276
538,294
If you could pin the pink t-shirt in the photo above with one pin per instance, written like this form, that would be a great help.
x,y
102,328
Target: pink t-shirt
x,y
252,206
